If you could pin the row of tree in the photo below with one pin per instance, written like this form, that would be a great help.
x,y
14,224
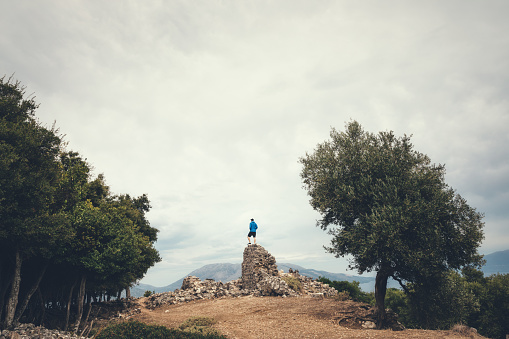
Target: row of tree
x,y
65,239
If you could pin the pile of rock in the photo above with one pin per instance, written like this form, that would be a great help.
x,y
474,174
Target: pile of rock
x,y
124,308
24,331
312,287
195,289
260,277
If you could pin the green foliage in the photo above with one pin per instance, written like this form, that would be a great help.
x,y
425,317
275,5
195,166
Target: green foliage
x,y
148,293
352,288
397,301
55,218
470,298
293,283
136,330
29,173
492,317
442,302
388,207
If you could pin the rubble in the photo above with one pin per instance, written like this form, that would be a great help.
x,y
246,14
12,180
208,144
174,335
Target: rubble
x,y
24,331
260,277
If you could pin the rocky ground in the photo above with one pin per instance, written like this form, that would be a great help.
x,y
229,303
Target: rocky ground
x,y
30,331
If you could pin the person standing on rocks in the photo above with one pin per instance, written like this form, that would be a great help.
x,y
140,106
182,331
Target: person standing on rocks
x,y
252,232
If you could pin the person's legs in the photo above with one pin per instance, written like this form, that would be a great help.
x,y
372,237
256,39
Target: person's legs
x,y
254,239
249,240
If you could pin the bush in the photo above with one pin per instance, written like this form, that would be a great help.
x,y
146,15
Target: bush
x,y
148,293
293,283
441,301
352,288
492,317
464,330
137,330
397,301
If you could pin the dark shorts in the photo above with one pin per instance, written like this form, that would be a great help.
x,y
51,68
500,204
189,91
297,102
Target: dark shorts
x,y
251,234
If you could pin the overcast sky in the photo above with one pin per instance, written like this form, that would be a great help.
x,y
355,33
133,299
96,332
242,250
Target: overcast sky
x,y
206,106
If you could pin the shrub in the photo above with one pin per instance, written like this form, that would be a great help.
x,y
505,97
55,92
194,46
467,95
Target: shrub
x,y
136,330
293,283
148,293
464,330
352,288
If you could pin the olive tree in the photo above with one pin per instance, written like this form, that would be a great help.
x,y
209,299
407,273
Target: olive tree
x,y
388,206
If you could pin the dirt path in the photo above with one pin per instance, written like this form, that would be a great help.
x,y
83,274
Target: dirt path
x,y
275,317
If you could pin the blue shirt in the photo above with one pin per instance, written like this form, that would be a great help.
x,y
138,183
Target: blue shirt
x,y
253,226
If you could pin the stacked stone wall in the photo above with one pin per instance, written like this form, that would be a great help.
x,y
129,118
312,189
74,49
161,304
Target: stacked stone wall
x,y
257,265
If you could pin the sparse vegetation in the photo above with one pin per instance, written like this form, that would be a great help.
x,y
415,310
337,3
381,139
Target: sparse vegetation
x,y
200,325
342,296
136,330
293,283
464,330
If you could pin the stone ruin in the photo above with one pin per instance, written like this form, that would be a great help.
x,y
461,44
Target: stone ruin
x,y
257,265
260,277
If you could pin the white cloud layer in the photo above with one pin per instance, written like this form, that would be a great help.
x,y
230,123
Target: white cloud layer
x,y
207,106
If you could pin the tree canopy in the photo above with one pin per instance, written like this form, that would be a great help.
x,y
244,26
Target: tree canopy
x,y
389,207
56,218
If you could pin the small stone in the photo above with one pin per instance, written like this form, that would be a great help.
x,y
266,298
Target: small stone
x,y
368,325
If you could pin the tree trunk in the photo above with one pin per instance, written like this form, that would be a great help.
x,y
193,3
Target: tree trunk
x,y
12,302
380,290
3,289
23,305
89,308
42,304
4,285
127,292
81,299
69,306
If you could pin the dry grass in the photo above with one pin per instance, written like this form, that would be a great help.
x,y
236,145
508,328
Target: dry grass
x,y
466,331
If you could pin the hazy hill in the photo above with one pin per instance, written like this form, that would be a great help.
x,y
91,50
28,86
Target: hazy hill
x,y
315,274
228,272
497,262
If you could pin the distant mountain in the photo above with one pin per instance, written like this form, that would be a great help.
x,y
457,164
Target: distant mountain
x,y
497,262
315,274
228,272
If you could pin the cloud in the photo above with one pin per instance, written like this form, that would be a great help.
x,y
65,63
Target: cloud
x,y
207,106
